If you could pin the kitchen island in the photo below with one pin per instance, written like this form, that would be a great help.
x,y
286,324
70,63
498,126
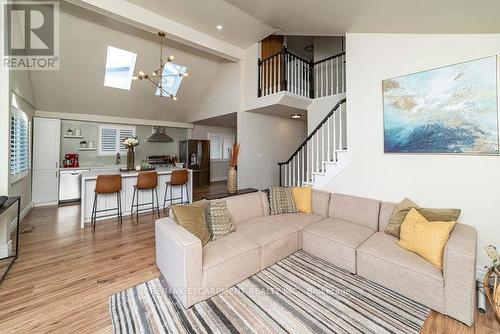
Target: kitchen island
x,y
129,179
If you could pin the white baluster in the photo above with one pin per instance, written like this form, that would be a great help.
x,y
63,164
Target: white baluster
x,y
328,139
302,169
343,73
338,74
341,146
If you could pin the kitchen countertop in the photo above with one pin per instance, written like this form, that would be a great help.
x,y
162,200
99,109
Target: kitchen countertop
x,y
94,167
92,174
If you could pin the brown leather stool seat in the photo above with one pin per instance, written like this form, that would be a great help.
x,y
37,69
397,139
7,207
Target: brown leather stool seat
x,y
145,181
107,184
178,178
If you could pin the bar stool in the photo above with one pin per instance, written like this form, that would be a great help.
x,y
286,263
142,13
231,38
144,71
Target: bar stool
x,y
179,178
145,181
107,184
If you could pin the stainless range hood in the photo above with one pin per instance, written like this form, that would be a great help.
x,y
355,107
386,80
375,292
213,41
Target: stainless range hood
x,y
159,135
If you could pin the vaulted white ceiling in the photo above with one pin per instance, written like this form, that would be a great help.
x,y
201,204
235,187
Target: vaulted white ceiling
x,y
238,27
78,86
336,17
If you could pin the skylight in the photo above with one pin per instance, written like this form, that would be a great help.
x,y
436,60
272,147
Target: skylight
x,y
172,78
119,68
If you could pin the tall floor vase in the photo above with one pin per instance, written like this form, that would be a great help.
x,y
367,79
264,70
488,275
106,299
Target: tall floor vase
x,y
232,181
130,158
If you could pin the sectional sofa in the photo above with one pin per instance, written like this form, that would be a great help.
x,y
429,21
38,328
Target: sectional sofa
x,y
344,230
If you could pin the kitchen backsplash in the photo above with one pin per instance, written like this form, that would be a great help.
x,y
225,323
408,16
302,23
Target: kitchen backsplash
x,y
90,133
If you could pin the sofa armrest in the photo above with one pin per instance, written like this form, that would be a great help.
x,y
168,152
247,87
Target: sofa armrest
x,y
459,270
179,258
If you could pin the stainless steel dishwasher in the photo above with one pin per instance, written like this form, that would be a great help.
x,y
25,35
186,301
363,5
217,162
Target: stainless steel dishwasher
x,y
70,183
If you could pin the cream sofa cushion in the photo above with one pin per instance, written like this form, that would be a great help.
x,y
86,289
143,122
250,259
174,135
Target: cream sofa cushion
x,y
320,202
358,210
299,220
245,207
277,237
229,260
381,260
335,241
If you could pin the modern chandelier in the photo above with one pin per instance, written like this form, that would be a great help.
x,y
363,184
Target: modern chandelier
x,y
158,77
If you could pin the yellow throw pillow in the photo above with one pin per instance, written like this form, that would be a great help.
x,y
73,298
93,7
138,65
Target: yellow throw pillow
x,y
303,198
425,238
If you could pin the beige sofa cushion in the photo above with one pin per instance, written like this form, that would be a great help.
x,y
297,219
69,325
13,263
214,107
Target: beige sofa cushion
x,y
335,241
248,206
299,220
386,209
381,260
320,201
277,237
358,210
229,260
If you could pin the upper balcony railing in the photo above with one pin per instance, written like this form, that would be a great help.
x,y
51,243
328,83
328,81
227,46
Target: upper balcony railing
x,y
285,71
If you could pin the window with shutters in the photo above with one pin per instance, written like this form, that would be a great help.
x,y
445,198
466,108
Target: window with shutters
x,y
19,144
220,146
111,138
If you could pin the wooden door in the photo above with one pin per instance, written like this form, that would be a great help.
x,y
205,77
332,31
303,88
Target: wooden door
x,y
270,69
271,45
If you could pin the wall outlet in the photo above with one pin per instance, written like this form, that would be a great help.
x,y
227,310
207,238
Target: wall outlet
x,y
260,155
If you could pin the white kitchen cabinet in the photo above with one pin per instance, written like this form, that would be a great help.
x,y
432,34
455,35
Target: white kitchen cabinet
x,y
46,147
45,187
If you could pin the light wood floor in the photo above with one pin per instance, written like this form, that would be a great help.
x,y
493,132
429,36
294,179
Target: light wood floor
x,y
64,275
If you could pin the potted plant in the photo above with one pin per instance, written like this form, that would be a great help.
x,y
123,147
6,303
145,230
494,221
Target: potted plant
x,y
83,144
130,143
232,178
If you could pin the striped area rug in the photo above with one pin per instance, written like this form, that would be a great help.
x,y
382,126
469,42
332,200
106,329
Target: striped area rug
x,y
299,294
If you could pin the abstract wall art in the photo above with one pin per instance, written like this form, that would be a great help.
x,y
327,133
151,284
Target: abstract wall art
x,y
448,110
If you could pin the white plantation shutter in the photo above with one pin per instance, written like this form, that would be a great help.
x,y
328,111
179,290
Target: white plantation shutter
x,y
215,146
220,145
124,134
19,144
111,138
227,145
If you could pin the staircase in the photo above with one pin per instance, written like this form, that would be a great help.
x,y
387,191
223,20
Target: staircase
x,y
322,155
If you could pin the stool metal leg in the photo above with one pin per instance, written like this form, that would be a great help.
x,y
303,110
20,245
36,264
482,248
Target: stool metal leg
x,y
165,197
157,204
187,193
94,212
137,206
132,207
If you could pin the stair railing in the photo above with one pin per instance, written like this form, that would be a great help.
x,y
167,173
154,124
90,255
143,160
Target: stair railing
x,y
286,71
321,146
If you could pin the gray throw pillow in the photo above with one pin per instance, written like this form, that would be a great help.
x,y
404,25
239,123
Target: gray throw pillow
x,y
281,200
219,219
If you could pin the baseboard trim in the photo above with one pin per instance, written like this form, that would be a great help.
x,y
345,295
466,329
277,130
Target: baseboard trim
x,y
220,178
23,214
39,204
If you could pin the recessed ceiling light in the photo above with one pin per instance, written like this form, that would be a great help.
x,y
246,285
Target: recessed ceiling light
x,y
219,27
296,116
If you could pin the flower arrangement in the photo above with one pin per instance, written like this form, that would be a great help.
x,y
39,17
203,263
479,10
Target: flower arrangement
x,y
233,155
130,142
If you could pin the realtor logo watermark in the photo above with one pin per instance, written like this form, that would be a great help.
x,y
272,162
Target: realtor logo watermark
x,y
31,35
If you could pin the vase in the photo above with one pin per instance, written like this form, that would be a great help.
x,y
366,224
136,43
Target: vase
x,y
130,158
232,181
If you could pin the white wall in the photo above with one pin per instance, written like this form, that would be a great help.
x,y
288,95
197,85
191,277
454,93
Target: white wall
x,y
327,46
319,108
223,94
218,169
265,141
471,183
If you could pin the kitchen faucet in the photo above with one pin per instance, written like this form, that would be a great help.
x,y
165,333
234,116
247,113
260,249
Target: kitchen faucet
x,y
118,158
